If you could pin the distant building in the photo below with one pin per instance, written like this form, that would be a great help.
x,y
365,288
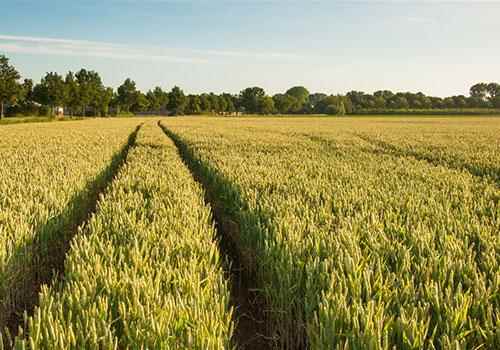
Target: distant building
x,y
59,111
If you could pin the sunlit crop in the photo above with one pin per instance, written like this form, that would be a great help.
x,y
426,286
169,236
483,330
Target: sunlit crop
x,y
355,247
46,172
352,233
145,272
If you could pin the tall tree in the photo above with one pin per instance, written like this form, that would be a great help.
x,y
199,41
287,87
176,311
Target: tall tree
x,y
26,97
176,101
205,104
193,105
357,98
9,85
27,89
479,91
316,97
493,90
51,91
158,99
89,88
301,95
285,103
127,94
328,105
251,99
266,105
73,102
214,102
229,102
141,103
104,101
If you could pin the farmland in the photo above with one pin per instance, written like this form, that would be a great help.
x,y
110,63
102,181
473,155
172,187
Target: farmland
x,y
344,233
48,176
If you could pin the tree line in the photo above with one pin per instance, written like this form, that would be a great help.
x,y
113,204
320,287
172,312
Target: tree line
x,y
83,93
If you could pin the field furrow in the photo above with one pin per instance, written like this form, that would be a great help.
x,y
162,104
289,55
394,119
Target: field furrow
x,y
249,309
145,272
50,178
353,249
436,156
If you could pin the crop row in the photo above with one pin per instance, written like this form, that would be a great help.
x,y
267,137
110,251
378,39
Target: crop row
x,y
49,174
483,164
354,249
145,271
469,144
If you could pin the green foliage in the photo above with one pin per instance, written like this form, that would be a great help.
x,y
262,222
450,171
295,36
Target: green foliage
x,y
127,95
141,103
73,102
157,99
301,96
9,85
285,103
193,105
51,91
252,99
333,105
83,93
89,89
176,101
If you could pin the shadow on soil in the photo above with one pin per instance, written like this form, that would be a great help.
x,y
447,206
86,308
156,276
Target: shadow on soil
x,y
253,327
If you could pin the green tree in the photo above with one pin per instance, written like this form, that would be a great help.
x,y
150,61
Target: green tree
x,y
436,102
301,95
284,103
176,101
230,102
222,103
358,99
385,94
496,102
214,102
327,105
332,109
141,103
399,101
379,102
266,105
9,85
449,102
479,91
193,105
158,99
73,102
89,88
460,101
27,89
205,104
105,98
251,99
127,94
51,91
315,98
26,100
493,91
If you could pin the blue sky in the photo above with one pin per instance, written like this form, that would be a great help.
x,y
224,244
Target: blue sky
x,y
439,48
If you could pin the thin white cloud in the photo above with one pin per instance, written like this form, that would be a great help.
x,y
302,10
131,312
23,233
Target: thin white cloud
x,y
85,48
419,20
